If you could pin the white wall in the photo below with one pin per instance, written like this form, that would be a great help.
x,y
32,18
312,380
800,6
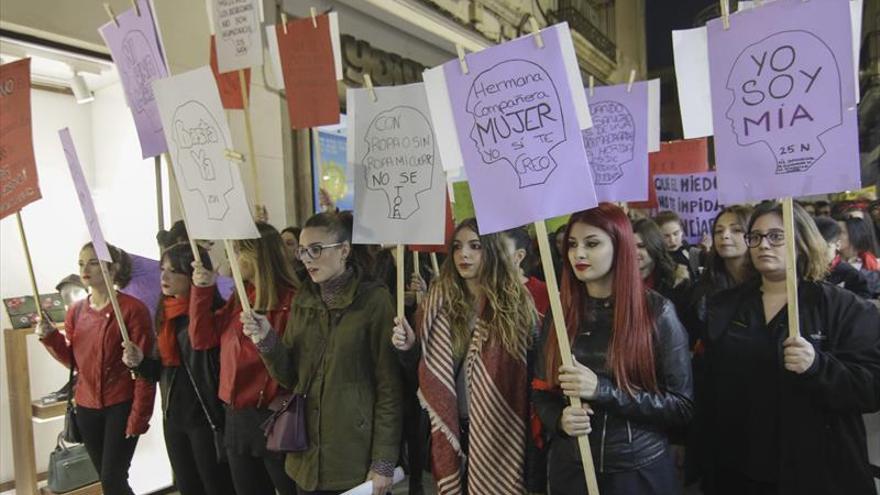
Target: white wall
x,y
124,192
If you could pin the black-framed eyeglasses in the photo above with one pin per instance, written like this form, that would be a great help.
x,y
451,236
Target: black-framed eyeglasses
x,y
776,238
314,251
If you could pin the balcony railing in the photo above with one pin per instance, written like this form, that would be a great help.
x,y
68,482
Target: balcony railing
x,y
594,20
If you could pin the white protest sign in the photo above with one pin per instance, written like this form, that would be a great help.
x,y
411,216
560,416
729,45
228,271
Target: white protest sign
x,y
691,51
214,198
239,41
400,188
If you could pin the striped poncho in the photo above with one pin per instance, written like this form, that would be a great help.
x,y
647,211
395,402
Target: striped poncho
x,y
497,407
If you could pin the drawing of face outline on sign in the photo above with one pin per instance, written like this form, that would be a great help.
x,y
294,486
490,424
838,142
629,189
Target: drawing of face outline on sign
x,y
611,142
198,144
515,114
781,99
400,158
140,68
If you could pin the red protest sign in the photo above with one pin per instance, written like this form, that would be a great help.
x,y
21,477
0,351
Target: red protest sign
x,y
688,156
229,83
309,72
19,184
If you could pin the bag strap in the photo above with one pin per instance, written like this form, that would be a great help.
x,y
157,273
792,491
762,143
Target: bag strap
x,y
198,395
59,443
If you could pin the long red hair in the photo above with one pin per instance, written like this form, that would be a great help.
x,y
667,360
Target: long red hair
x,y
630,352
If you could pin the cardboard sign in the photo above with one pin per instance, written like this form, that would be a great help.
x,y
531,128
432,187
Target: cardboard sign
x,y
309,72
85,196
694,197
135,48
617,144
784,107
400,188
237,27
18,169
214,198
517,129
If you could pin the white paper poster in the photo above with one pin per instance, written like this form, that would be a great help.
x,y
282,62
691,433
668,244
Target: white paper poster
x,y
653,115
400,187
691,51
237,28
214,198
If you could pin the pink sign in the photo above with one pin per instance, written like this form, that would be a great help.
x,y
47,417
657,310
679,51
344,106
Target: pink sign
x,y
85,197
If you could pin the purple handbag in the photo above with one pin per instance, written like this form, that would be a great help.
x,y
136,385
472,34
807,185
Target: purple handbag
x,y
285,429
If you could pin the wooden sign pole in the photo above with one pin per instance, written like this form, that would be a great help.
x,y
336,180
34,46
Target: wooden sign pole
x,y
236,275
249,133
564,346
791,281
160,203
30,265
111,291
400,280
176,187
417,271
435,265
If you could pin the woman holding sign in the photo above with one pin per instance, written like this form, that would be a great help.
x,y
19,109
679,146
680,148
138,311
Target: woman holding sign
x,y
245,386
780,414
188,382
336,356
631,363
474,330
112,409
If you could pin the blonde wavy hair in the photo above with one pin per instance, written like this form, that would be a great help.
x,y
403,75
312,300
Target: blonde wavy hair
x,y
509,310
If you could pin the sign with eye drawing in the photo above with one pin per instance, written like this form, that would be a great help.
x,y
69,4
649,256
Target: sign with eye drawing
x,y
400,187
617,144
516,120
213,195
783,101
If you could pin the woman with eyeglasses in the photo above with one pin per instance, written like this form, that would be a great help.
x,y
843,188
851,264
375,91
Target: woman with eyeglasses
x,y
336,352
631,365
783,415
474,330
246,388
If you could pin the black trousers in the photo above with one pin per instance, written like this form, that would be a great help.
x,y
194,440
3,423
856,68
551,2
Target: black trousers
x,y
300,491
194,461
657,478
103,433
253,475
730,482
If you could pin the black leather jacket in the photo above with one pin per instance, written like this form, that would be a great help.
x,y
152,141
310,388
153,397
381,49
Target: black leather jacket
x,y
202,368
629,431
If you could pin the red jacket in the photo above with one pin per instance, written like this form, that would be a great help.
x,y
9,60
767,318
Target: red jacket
x,y
93,343
244,381
538,290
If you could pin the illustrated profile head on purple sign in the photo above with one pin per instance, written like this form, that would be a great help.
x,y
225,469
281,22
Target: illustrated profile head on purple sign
x,y
400,158
517,119
611,142
786,94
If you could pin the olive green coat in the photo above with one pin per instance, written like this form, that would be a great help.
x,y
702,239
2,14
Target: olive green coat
x,y
354,399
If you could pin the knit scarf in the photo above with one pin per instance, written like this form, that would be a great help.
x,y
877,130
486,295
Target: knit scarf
x,y
169,350
331,289
498,406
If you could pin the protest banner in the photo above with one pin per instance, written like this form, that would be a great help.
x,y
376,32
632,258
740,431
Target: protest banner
x,y
135,47
617,144
694,197
675,157
237,27
400,188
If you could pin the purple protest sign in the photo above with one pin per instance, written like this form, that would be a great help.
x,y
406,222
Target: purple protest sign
x,y
134,46
85,197
783,102
517,122
617,144
694,197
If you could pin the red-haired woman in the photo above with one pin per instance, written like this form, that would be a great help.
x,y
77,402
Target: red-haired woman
x,y
632,366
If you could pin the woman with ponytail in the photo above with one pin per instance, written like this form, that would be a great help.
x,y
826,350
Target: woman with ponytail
x,y
632,366
474,330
